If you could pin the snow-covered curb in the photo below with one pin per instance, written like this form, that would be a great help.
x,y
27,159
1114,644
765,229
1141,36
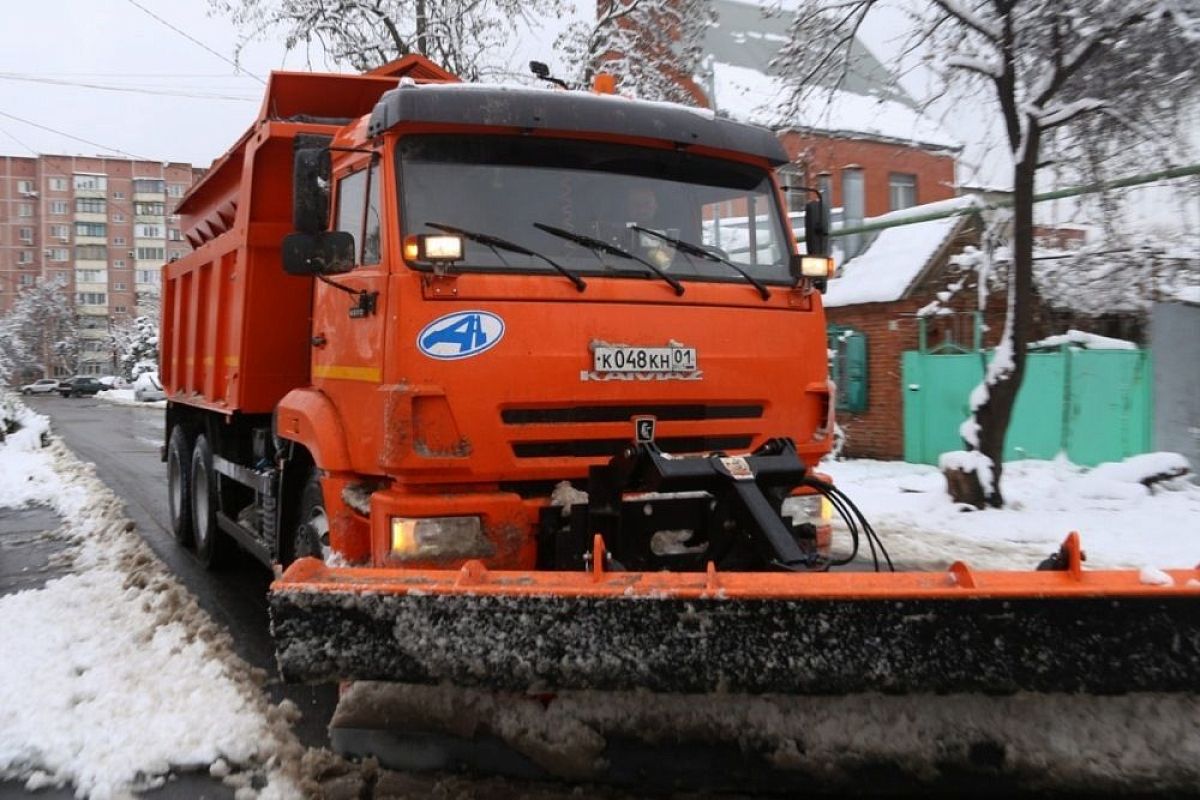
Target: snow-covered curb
x,y
124,397
112,676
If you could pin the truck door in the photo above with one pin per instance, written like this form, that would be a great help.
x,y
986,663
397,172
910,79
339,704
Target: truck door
x,y
348,341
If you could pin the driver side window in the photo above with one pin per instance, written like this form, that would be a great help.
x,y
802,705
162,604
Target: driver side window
x,y
359,212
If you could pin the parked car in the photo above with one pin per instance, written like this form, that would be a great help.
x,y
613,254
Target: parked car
x,y
79,386
43,386
147,388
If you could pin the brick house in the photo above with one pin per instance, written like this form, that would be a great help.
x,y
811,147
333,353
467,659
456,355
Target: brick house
x,y
866,145
875,310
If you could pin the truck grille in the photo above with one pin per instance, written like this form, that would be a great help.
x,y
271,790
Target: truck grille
x,y
608,442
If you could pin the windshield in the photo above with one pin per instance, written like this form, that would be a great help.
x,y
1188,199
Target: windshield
x,y
502,186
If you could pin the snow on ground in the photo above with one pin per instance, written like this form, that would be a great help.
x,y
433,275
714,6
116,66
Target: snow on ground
x,y
1122,523
124,397
112,676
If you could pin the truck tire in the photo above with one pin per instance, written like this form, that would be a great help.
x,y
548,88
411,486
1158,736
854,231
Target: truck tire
x,y
312,529
211,543
179,485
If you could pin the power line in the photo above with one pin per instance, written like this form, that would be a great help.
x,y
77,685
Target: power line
x,y
75,138
196,41
134,89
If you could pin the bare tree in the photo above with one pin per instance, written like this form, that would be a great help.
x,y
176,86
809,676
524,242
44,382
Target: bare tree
x,y
652,47
1065,76
460,35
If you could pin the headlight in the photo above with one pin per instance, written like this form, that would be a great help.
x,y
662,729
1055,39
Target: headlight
x,y
439,538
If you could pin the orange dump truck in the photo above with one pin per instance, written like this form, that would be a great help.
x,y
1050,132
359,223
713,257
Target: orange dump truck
x,y
524,389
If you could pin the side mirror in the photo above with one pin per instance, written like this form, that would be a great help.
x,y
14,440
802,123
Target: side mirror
x,y
816,228
322,253
310,183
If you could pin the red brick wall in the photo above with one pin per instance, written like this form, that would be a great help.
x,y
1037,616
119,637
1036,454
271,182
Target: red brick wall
x,y
877,160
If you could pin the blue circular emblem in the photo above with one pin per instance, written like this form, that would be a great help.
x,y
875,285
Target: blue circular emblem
x,y
460,335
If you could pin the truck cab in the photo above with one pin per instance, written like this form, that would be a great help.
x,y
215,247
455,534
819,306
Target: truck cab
x,y
487,290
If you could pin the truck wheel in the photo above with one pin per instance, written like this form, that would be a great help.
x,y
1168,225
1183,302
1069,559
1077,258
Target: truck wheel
x,y
312,532
179,485
211,545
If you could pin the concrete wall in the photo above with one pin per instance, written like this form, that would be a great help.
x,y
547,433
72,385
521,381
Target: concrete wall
x,y
1175,339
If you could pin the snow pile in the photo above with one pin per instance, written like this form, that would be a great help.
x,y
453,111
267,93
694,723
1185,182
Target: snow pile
x,y
113,676
885,270
124,397
1123,523
1089,341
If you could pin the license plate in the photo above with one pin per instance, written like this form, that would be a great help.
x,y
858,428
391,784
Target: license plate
x,y
644,359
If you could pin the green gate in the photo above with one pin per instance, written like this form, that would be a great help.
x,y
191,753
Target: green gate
x,y
1092,405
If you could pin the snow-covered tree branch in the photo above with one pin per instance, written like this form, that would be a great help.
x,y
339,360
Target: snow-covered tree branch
x,y
1063,75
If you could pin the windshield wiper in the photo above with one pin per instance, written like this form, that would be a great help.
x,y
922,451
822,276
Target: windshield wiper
x,y
496,243
696,250
607,247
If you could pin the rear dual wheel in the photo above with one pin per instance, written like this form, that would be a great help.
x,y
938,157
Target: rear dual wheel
x,y
179,485
212,545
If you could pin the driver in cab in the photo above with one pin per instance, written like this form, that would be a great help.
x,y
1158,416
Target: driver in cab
x,y
642,208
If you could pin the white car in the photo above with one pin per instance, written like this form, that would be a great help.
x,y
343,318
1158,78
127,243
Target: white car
x,y
147,388
43,386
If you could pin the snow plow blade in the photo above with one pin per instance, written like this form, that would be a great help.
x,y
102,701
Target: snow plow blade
x,y
1065,630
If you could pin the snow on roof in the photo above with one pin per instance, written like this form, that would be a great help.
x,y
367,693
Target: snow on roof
x,y
751,96
893,262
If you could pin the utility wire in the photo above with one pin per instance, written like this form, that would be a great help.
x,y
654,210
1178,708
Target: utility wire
x,y
196,41
134,89
77,138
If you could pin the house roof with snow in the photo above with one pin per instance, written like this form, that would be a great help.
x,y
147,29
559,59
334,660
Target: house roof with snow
x,y
866,102
899,258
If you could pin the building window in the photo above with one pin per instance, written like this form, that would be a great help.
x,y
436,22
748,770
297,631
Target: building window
x,y
175,235
57,184
148,186
151,253
119,263
26,279
176,255
60,232
148,231
848,366
119,309
25,235
118,287
853,208
91,183
825,187
89,275
91,298
176,189
25,187
58,207
118,217
147,276
89,205
91,252
91,229
91,368
58,254
149,209
25,257
24,209
118,195
902,191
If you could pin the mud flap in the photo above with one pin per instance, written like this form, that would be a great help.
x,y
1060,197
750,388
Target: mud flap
x,y
1103,633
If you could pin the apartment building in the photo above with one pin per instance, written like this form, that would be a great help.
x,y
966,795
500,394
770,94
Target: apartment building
x,y
101,225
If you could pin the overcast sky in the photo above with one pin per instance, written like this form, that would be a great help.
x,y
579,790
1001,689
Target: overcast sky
x,y
54,44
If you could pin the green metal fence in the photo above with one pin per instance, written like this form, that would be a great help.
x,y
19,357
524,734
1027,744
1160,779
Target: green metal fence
x,y
1092,405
